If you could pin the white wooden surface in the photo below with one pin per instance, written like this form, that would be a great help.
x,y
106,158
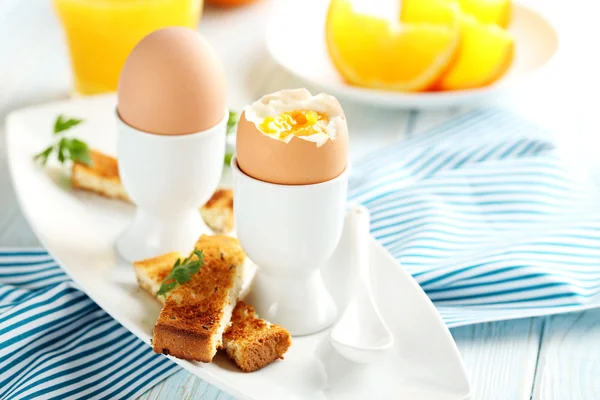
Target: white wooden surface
x,y
544,358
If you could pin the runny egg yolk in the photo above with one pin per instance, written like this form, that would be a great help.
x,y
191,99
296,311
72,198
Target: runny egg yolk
x,y
297,123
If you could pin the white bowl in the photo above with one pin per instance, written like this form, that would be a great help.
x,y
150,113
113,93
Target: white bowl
x,y
296,40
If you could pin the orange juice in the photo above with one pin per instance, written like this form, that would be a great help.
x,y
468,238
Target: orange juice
x,y
102,33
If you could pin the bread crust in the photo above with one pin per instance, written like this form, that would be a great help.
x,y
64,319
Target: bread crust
x,y
179,343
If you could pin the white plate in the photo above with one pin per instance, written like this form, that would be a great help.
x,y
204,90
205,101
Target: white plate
x,y
79,230
295,39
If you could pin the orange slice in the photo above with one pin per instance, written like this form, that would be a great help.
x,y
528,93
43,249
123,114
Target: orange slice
x,y
441,12
368,52
484,55
488,11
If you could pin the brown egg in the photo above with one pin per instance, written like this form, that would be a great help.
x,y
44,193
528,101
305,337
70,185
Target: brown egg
x,y
173,83
297,161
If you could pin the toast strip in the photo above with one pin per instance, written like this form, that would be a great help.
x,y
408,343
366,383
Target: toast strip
x,y
195,315
102,177
253,343
217,213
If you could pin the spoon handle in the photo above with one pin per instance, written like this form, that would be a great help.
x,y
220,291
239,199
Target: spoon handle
x,y
360,232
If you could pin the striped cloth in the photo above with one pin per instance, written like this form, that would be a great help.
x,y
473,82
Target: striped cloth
x,y
487,218
481,211
56,343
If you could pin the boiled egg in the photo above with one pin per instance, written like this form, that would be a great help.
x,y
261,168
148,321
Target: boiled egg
x,y
172,83
291,137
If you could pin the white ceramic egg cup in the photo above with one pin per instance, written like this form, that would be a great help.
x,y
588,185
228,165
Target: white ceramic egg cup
x,y
168,177
290,232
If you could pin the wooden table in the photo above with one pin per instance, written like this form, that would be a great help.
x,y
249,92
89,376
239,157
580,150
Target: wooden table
x,y
555,357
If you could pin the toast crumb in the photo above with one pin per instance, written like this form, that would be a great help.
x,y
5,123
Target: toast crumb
x,y
102,178
195,315
253,343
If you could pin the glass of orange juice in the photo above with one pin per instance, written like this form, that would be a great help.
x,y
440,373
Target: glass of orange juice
x,y
102,33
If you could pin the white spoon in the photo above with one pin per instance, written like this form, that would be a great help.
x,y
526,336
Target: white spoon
x,y
361,335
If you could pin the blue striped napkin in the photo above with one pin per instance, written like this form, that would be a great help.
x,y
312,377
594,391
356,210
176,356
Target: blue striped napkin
x,y
56,343
481,211
487,218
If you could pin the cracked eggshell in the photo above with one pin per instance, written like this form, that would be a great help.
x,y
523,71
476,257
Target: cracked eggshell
x,y
298,162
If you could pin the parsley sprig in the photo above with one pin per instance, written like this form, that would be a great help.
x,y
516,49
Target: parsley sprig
x,y
182,272
65,148
232,122
63,123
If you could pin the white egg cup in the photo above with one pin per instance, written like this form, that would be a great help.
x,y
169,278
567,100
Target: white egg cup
x,y
168,177
290,232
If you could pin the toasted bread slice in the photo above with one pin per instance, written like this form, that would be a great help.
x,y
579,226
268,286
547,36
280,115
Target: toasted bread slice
x,y
253,343
102,178
218,211
195,315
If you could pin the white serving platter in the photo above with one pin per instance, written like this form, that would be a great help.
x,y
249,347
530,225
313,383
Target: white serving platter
x,y
79,230
296,41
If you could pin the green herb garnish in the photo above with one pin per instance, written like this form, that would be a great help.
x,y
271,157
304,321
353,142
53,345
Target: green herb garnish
x,y
232,121
182,272
66,148
63,123
228,157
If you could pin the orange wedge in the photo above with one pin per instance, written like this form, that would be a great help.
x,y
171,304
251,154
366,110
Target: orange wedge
x,y
484,55
368,52
441,12
488,11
